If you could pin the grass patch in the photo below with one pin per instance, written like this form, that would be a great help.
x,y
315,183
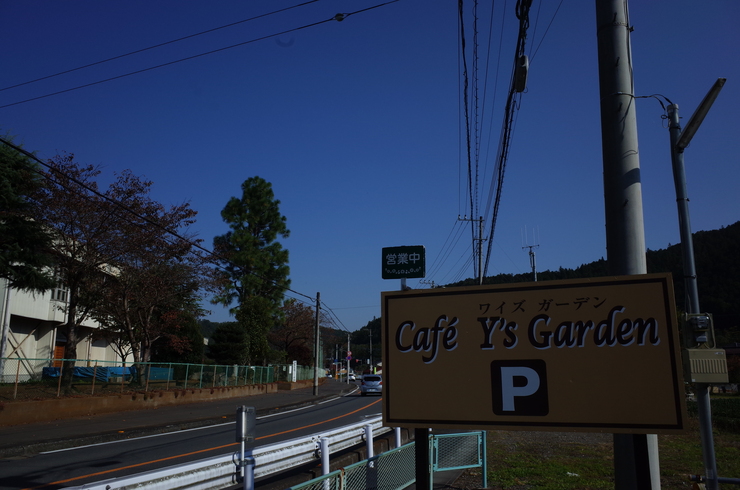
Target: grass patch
x,y
548,461
574,467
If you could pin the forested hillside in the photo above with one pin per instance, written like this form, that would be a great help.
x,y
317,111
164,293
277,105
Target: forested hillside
x,y
717,257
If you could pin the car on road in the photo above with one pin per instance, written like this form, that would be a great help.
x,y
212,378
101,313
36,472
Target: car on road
x,y
352,377
371,383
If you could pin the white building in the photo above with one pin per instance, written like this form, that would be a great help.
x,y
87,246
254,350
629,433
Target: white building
x,y
31,339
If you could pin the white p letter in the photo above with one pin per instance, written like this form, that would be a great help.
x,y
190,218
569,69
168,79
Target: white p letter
x,y
509,391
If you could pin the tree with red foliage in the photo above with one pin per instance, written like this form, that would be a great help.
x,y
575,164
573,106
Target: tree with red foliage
x,y
294,335
109,241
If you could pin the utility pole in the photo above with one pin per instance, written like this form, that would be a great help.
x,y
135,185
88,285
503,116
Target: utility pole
x,y
532,258
477,248
680,139
317,348
635,455
349,356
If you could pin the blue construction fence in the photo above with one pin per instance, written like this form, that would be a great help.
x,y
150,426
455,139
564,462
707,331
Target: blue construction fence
x,y
163,375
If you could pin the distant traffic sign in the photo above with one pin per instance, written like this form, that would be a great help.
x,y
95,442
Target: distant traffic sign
x,y
404,262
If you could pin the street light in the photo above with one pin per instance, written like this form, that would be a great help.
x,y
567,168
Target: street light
x,y
697,325
698,116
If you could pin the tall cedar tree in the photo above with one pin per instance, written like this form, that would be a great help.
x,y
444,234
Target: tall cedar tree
x,y
253,270
25,259
157,276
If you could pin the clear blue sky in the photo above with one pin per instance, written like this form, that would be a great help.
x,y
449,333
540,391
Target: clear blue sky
x,y
357,123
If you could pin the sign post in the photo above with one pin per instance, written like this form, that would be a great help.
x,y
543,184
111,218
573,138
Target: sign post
x,y
402,263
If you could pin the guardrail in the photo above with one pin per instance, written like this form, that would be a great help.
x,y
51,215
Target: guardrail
x,y
396,469
225,471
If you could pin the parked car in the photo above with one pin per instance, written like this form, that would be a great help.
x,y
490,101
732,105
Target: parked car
x,y
371,383
352,377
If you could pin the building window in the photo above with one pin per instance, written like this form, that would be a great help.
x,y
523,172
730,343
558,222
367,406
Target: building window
x,y
60,291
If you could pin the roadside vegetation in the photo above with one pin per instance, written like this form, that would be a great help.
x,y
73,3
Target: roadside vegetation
x,y
580,461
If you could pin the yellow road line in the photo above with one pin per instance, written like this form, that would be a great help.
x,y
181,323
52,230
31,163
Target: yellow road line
x,y
197,452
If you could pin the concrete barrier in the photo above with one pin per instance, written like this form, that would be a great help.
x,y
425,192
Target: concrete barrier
x,y
34,411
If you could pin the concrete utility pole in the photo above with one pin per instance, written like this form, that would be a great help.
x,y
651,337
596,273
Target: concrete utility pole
x,y
635,455
317,348
349,355
477,248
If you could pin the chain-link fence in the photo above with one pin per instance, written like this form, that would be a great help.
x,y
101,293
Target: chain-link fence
x,y
97,375
396,469
391,470
458,451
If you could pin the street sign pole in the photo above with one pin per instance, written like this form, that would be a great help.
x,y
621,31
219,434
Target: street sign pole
x,y
402,263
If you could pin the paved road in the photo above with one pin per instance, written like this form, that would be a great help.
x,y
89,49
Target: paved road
x,y
30,439
27,440
101,461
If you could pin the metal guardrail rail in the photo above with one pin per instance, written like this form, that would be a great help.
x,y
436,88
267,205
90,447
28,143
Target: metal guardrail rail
x,y
224,471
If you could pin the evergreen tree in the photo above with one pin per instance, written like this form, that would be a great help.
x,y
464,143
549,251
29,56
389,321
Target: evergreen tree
x,y
228,343
25,260
253,273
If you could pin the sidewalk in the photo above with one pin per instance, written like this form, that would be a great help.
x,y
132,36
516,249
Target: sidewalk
x,y
29,439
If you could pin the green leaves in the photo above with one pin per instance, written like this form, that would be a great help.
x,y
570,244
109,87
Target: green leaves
x,y
25,258
253,270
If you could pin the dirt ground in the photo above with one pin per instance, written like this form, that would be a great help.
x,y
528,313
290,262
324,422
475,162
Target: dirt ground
x,y
43,390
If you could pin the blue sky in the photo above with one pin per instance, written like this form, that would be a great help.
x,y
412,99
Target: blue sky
x,y
357,124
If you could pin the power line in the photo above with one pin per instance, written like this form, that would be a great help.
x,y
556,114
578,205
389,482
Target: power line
x,y
156,46
531,58
512,101
139,216
338,17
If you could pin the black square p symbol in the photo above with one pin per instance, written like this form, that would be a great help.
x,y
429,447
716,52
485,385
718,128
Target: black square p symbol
x,y
519,387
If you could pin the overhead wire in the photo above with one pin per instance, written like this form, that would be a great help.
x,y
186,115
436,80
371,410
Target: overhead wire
x,y
453,238
135,214
175,234
190,36
534,53
338,17
522,13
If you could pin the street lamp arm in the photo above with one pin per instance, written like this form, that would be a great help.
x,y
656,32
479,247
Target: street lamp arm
x,y
698,116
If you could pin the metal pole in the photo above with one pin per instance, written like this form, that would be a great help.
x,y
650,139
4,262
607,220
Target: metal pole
x,y
348,356
692,292
635,455
369,441
249,473
325,464
372,371
480,250
5,326
317,353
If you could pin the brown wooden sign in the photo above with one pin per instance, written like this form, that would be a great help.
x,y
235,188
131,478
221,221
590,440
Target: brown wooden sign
x,y
584,355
